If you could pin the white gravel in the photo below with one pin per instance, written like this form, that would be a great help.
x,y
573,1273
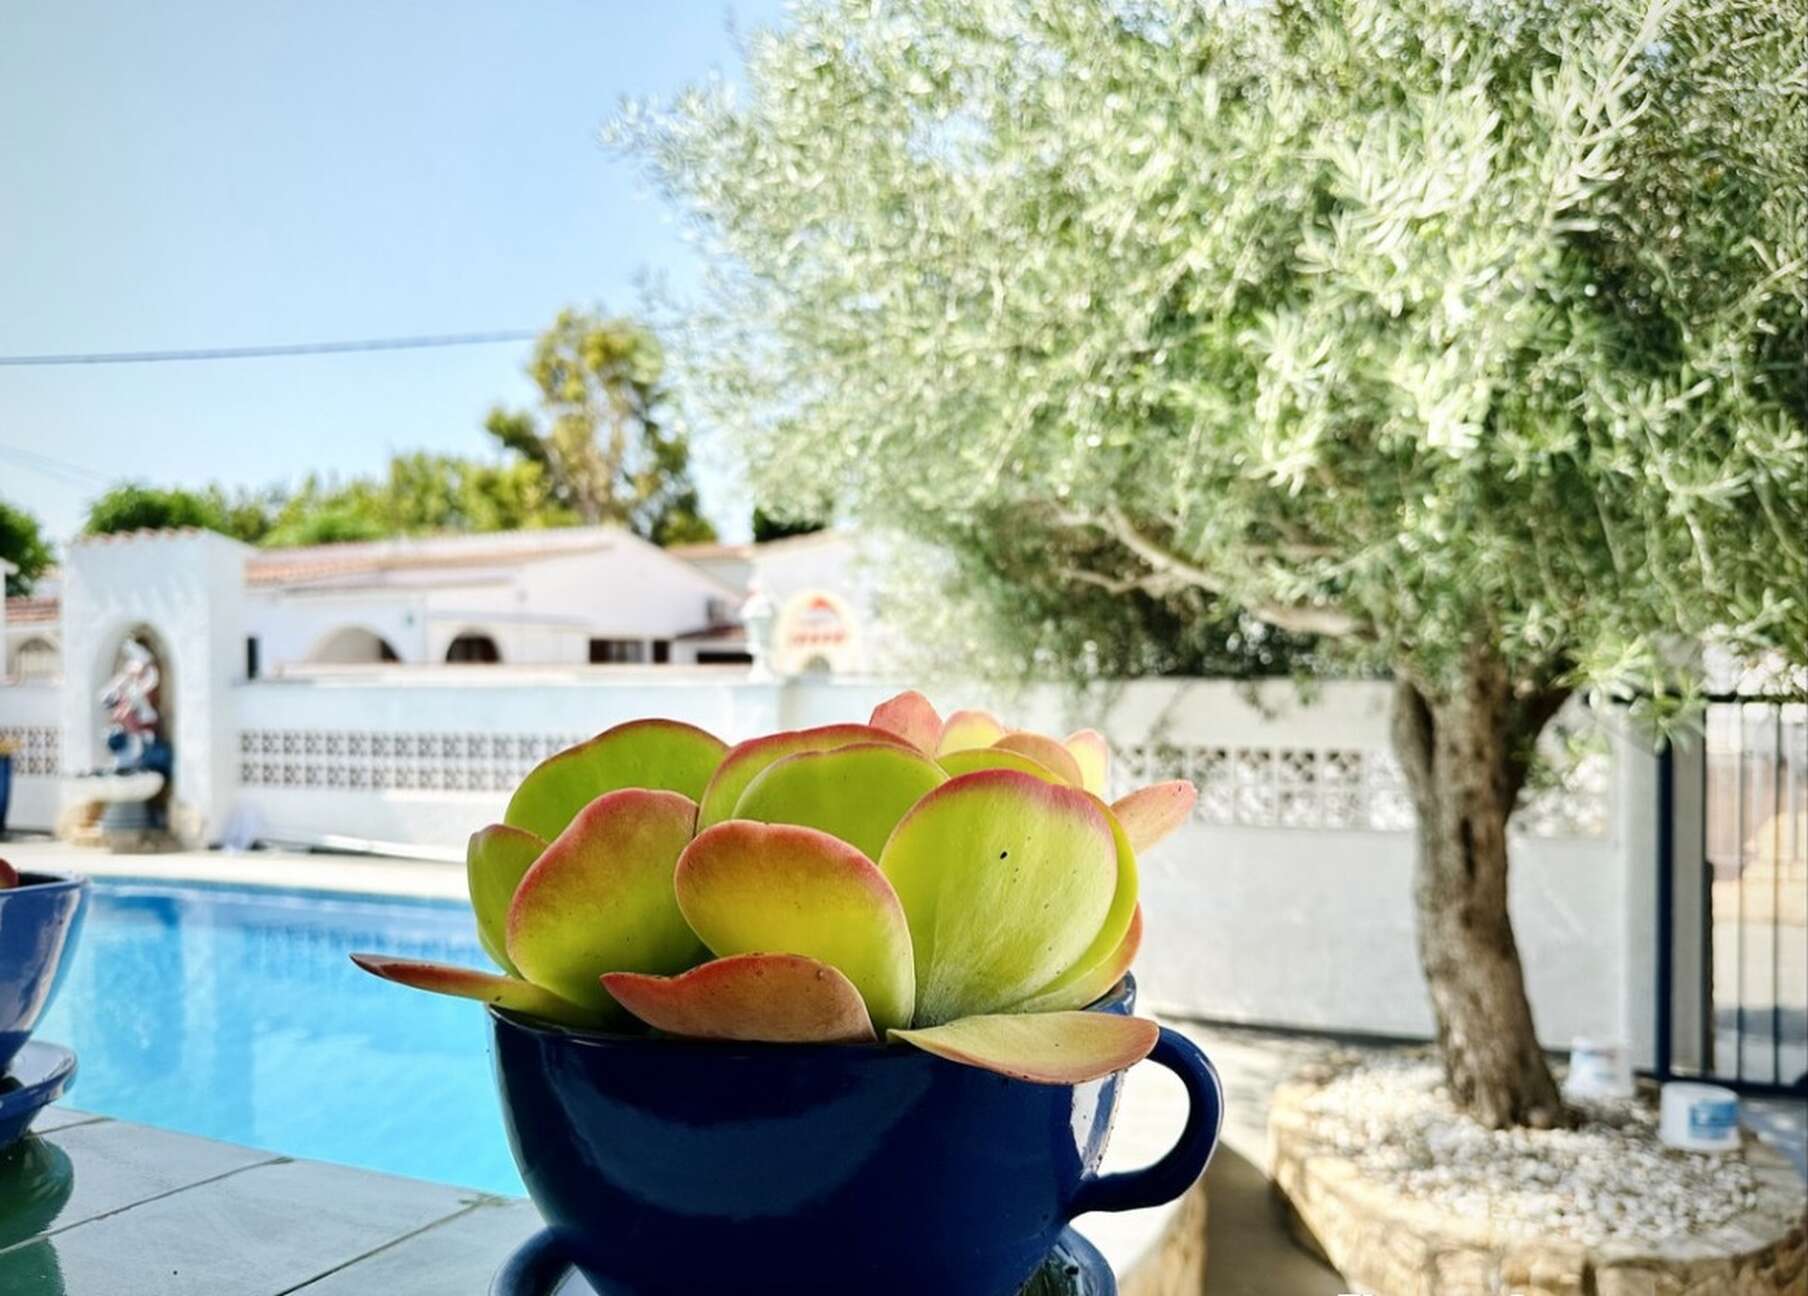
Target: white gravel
x,y
1611,1179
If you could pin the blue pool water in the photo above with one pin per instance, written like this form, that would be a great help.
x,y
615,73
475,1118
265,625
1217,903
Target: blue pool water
x,y
234,1013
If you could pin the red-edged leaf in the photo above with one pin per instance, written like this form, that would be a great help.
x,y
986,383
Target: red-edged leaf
x,y
1064,1048
1044,750
966,729
599,899
1151,813
911,716
770,998
507,992
1093,755
746,761
666,755
749,887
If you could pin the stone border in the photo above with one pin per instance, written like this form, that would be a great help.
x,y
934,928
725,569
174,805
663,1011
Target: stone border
x,y
1392,1246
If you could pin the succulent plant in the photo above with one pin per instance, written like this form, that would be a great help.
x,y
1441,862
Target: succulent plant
x,y
948,884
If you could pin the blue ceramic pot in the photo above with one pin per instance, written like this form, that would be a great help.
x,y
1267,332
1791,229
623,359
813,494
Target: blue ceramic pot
x,y
39,922
674,1168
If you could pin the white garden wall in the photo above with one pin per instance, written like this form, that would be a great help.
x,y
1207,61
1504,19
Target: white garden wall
x,y
31,720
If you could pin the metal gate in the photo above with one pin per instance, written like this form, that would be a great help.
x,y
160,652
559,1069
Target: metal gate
x,y
1733,899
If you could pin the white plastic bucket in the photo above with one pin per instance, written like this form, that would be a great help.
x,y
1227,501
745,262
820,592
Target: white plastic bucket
x,y
1598,1069
1699,1118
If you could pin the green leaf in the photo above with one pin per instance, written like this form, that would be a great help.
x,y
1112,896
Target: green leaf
x,y
746,761
769,998
1058,1048
966,729
1089,982
857,793
599,899
496,859
665,755
972,759
1074,987
507,992
747,887
1005,880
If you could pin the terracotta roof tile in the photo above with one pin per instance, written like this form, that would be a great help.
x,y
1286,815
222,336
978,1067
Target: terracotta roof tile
x,y
32,611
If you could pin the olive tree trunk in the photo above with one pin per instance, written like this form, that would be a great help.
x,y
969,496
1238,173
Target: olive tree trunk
x,y
1465,750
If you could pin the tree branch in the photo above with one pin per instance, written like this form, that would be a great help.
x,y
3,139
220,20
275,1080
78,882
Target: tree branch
x,y
1293,617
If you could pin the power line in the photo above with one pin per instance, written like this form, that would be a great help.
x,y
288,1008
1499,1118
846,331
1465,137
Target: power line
x,y
260,352
69,473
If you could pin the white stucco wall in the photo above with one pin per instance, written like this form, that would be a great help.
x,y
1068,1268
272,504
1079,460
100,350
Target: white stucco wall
x,y
1264,923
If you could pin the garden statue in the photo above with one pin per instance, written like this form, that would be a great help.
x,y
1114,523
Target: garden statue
x,y
134,793
127,699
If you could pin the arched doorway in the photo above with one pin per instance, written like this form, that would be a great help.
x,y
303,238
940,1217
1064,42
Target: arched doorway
x,y
352,645
473,646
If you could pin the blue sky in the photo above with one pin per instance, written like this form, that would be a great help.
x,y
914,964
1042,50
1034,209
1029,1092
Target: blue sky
x,y
216,173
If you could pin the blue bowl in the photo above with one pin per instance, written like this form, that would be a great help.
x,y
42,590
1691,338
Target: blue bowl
x,y
39,922
668,1168
40,1074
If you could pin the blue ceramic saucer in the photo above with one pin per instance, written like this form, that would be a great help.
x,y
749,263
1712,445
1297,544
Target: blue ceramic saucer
x,y
539,1268
38,1076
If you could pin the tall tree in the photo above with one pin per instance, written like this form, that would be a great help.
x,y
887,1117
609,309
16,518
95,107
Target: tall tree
x,y
23,545
420,494
1467,337
604,435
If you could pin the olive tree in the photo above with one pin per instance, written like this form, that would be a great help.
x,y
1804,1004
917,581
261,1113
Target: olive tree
x,y
1466,336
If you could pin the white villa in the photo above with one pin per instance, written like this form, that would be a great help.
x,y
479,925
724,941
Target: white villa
x,y
572,597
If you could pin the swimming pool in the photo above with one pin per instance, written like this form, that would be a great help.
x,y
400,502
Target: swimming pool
x,y
233,1013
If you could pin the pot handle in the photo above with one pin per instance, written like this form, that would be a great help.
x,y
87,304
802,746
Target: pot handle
x,y
1176,1172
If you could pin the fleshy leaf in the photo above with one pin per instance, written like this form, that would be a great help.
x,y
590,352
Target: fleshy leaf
x,y
857,793
1093,982
665,755
770,998
1070,988
749,887
913,718
984,758
966,729
9,876
495,861
747,761
1005,880
1151,813
1044,751
1093,755
507,992
599,899
1060,1048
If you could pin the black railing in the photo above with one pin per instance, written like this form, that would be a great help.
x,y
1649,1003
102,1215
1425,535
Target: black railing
x,y
1751,859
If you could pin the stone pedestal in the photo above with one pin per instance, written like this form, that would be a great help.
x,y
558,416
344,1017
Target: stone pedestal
x,y
1388,1245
